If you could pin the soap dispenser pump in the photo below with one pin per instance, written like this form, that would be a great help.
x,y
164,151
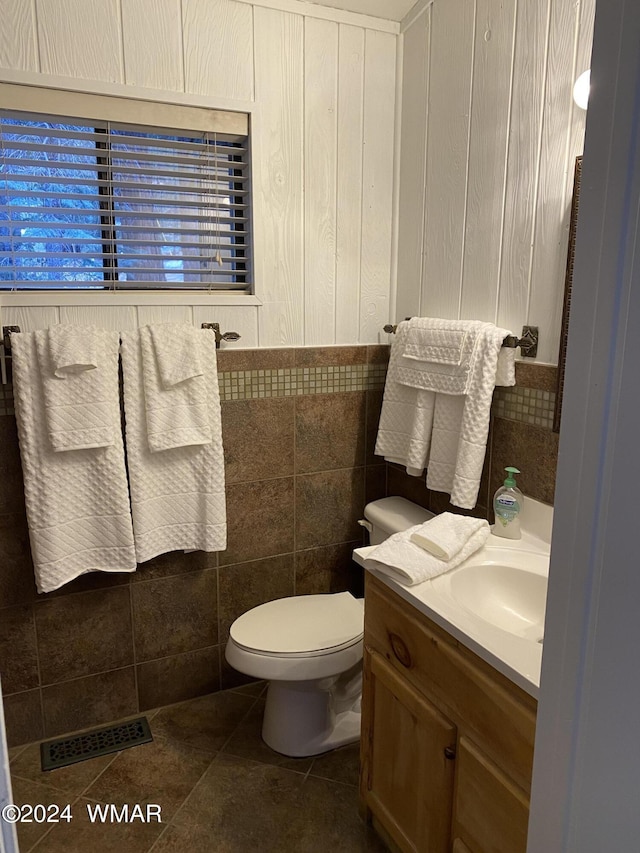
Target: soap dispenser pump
x,y
507,504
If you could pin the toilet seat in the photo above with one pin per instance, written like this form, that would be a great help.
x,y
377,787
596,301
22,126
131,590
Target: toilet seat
x,y
301,655
301,626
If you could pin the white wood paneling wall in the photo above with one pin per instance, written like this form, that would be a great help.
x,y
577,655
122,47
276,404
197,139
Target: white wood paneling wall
x,y
18,41
114,317
208,25
152,44
449,97
499,135
279,193
486,167
413,129
523,161
118,317
377,182
349,181
322,86
30,319
80,38
320,137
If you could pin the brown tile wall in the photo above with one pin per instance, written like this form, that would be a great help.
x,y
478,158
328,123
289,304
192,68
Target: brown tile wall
x,y
299,468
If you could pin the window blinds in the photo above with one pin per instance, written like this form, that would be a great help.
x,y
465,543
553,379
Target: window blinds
x,y
95,204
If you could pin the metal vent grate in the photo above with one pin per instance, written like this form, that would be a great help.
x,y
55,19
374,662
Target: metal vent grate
x,y
61,753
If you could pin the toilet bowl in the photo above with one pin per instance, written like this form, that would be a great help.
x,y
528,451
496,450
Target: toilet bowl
x,y
309,649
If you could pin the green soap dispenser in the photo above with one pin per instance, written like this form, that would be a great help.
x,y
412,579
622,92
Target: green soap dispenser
x,y
507,504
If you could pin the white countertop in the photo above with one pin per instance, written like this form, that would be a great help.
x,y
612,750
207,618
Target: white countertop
x,y
516,657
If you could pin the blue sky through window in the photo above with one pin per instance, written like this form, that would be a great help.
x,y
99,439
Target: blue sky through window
x,y
84,206
45,231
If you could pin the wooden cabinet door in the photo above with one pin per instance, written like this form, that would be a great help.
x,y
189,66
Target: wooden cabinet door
x,y
491,812
408,767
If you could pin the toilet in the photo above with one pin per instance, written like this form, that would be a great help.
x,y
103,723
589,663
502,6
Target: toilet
x,y
309,649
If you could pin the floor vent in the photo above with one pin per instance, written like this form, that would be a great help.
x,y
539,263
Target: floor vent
x,y
69,750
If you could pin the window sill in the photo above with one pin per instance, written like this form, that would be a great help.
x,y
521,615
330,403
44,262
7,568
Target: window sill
x,y
31,299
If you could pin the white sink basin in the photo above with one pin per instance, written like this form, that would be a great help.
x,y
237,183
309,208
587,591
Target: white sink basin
x,y
494,602
506,588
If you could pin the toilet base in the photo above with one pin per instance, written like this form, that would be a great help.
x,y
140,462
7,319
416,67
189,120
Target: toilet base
x,y
304,718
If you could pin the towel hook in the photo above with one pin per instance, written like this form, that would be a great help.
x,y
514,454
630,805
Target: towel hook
x,y
220,336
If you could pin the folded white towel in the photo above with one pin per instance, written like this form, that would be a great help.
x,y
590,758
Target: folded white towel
x,y
72,349
177,496
175,390
446,429
446,534
406,419
78,405
441,346
77,502
452,345
399,558
459,438
176,352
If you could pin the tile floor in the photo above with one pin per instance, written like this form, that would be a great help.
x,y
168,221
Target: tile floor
x,y
221,789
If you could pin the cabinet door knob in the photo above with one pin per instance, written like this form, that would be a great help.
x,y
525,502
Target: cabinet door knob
x,y
450,752
400,650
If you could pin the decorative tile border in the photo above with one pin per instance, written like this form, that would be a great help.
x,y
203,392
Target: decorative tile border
x,y
529,405
283,382
295,381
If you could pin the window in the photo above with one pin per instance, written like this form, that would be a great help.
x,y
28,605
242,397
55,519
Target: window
x,y
92,203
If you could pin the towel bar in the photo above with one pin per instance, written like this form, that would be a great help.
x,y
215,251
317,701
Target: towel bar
x,y
7,331
528,343
220,336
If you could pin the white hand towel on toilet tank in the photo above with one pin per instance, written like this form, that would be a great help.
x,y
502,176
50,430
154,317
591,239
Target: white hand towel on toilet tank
x,y
175,389
436,414
409,564
177,495
77,501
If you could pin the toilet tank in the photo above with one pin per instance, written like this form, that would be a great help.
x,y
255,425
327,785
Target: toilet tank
x,y
391,515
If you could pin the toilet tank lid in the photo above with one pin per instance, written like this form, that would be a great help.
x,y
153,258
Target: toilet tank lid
x,y
395,514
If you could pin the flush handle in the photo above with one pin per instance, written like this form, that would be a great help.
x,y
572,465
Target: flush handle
x,y
400,650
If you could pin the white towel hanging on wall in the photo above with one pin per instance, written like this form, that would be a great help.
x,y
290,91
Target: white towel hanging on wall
x,y
177,495
77,501
76,373
435,415
175,389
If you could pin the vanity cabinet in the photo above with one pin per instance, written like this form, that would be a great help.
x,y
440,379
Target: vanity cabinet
x,y
447,741
410,779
